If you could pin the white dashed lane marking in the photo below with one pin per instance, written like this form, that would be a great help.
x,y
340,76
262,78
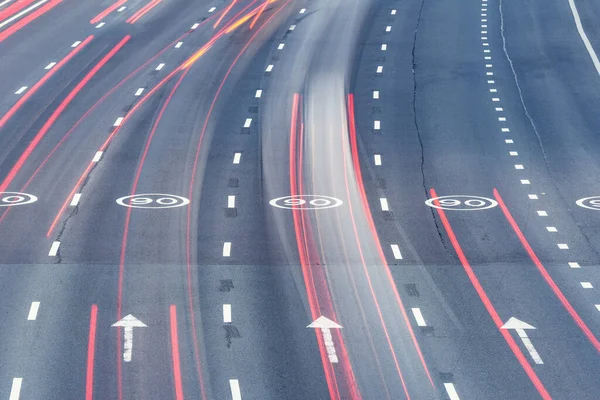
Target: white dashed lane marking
x,y
377,159
118,121
384,47
292,27
532,196
542,213
178,45
388,28
380,69
49,66
75,200
15,390
139,91
21,90
393,12
237,157
574,265
269,68
377,125
587,285
236,393
227,249
160,66
227,313
100,25
384,204
195,26
281,46
33,311
54,249
525,182
302,11
396,251
258,93
97,156
77,43
563,246
551,229
375,94
212,9
418,317
451,390
122,9
248,122
230,201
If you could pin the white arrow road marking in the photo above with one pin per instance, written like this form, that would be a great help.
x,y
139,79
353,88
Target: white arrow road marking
x,y
325,325
128,322
520,327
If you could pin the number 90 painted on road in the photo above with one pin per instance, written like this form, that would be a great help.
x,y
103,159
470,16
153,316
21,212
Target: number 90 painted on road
x,y
153,200
459,202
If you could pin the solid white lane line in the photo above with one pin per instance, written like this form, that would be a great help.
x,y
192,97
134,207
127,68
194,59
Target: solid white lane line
x,y
281,46
15,390
212,9
25,11
52,64
258,93
269,68
248,122
227,249
375,94
377,159
139,91
75,200
100,25
21,90
542,213
388,28
5,2
160,66
379,69
451,390
418,317
77,43
563,246
118,121
97,156
384,204
384,47
551,229
236,393
574,265
237,157
227,313
195,26
587,285
54,249
532,196
396,251
377,125
583,36
230,201
33,311
178,45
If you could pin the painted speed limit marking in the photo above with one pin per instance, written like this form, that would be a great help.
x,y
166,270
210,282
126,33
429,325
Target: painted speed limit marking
x,y
8,199
591,203
306,202
461,203
153,200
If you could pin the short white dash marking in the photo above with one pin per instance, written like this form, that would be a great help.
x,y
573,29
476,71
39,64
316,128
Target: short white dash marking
x,y
122,9
484,26
227,249
248,122
519,166
15,390
54,249
493,90
195,26
418,316
258,93
532,196
393,12
227,313
499,109
178,45
118,121
377,125
292,27
384,204
237,157
139,91
505,130
160,66
486,50
525,182
551,229
598,307
377,159
483,32
488,65
236,393
587,285
33,311
269,68
375,94
380,69
486,44
77,43
513,153
542,213
489,73
100,25
396,251
484,38
491,82
97,156
230,201
563,246
502,119
384,47
484,20
75,200
49,66
303,11
21,90
212,9
487,57
388,28
281,46
574,265
495,99
451,391
509,141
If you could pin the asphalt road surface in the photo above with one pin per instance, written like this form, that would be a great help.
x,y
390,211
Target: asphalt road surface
x,y
299,199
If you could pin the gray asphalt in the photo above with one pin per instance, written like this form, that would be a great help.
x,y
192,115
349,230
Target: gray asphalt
x,y
438,129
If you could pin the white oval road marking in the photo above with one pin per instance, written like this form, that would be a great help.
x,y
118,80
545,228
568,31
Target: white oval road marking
x,y
236,393
9,199
237,157
227,313
306,202
54,249
418,317
396,251
15,390
153,201
227,249
461,203
33,311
